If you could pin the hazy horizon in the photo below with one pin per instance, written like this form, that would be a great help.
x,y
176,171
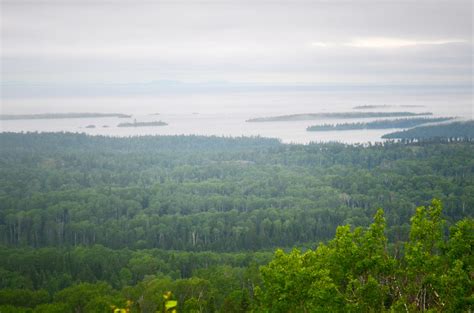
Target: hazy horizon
x,y
71,56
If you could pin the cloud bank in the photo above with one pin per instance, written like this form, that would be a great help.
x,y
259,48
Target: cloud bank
x,y
88,43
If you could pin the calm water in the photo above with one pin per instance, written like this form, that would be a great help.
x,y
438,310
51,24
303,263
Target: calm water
x,y
225,115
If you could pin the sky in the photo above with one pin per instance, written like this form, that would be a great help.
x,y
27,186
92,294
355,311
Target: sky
x,y
81,48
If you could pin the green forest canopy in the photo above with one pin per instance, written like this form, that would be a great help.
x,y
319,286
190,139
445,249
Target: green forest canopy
x,y
357,271
90,221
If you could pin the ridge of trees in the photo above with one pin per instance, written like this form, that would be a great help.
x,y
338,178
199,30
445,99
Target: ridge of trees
x,y
90,222
456,131
378,124
221,194
356,271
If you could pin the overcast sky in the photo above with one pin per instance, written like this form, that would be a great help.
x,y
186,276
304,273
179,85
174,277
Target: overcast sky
x,y
91,43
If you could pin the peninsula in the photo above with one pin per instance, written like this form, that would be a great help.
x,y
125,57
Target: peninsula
x,y
344,115
382,106
142,124
379,124
452,131
51,116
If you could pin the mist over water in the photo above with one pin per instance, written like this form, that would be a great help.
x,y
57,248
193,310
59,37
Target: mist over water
x,y
230,61
224,114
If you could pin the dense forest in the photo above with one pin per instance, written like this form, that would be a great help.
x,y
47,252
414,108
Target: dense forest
x,y
379,124
91,222
452,131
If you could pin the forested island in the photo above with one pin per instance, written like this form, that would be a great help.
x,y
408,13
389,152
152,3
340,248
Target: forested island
x,y
382,106
451,131
379,124
142,124
348,115
59,116
92,223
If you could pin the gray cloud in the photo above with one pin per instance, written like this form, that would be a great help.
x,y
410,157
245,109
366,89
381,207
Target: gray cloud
x,y
280,42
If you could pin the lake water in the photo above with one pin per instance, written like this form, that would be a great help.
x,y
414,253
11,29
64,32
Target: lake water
x,y
225,115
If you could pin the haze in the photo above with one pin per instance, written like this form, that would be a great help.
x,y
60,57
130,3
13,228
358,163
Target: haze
x,y
70,55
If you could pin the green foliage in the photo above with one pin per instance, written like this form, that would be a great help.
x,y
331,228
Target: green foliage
x,y
14,309
221,194
23,297
51,308
355,273
87,297
87,223
350,274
